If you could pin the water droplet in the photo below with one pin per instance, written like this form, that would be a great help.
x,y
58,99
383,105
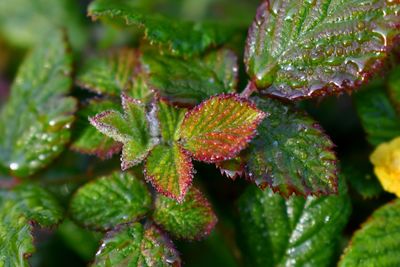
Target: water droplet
x,y
14,166
360,25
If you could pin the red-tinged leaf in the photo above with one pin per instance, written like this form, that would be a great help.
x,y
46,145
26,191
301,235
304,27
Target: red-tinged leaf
x,y
232,168
297,49
131,129
220,127
170,170
90,141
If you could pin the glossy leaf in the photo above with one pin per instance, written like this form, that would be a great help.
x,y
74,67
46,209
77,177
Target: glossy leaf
x,y
16,241
90,141
291,153
377,242
26,23
191,219
169,168
110,200
32,137
18,209
132,129
296,231
378,116
136,245
180,37
189,82
298,49
110,74
220,127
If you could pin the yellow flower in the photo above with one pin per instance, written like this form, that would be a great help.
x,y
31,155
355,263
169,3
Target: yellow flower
x,y
386,161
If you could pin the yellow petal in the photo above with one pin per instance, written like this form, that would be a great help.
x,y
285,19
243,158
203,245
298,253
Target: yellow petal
x,y
386,161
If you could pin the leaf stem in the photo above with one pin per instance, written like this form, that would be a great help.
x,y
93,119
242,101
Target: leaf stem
x,y
249,90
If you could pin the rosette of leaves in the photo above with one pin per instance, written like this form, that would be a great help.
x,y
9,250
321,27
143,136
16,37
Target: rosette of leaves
x,y
167,138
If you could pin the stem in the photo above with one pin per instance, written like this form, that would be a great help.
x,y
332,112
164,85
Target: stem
x,y
249,90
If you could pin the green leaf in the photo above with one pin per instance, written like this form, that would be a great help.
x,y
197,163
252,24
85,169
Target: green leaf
x,y
180,37
298,49
191,81
16,241
297,231
82,241
377,243
109,74
170,119
394,87
132,129
136,245
291,153
378,116
220,127
37,204
18,208
25,23
191,219
90,141
360,175
38,114
232,168
110,200
169,168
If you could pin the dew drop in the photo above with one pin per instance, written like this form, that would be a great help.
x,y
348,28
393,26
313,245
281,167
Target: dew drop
x,y
14,166
360,25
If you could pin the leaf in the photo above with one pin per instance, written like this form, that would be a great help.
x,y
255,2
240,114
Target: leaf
x,y
136,245
360,175
37,204
180,37
297,231
80,240
220,127
110,200
16,241
291,153
25,23
378,116
90,141
109,74
297,49
170,119
377,242
394,87
191,219
232,168
191,81
131,129
170,170
37,133
18,209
